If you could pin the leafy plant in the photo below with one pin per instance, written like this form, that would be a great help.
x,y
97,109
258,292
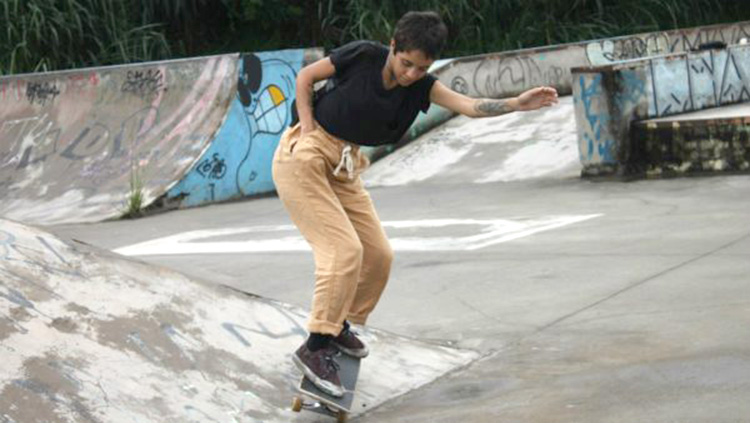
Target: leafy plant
x,y
135,200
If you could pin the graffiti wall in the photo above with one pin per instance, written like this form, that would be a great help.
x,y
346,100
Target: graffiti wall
x,y
76,146
696,81
508,74
238,162
592,110
609,99
73,143
603,52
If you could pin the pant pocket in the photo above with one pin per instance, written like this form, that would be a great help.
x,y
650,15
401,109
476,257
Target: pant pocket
x,y
294,135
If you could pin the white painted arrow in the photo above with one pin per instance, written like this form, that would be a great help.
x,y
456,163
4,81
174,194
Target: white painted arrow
x,y
477,234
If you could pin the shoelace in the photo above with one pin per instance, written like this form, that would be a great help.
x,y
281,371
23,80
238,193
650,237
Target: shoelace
x,y
331,364
349,333
346,162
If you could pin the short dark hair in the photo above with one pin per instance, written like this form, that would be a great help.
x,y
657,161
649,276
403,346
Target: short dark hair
x,y
423,31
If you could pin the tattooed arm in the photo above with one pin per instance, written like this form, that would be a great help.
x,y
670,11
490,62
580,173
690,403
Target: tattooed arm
x,y
488,107
483,107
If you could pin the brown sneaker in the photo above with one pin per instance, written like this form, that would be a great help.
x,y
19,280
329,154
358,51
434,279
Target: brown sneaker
x,y
321,368
348,343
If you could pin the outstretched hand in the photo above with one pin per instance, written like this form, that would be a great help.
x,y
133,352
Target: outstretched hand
x,y
536,98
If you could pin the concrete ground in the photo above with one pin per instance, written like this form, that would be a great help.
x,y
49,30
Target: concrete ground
x,y
640,314
637,313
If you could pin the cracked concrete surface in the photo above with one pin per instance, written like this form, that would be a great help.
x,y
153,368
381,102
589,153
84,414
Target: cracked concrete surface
x,y
88,336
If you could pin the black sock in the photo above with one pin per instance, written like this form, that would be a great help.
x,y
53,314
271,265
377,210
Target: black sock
x,y
318,341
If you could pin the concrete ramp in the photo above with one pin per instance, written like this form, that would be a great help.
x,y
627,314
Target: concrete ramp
x,y
87,336
238,162
71,142
518,146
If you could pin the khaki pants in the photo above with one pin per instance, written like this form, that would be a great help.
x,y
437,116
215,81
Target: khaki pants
x,y
317,177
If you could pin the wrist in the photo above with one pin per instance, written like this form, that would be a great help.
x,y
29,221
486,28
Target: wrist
x,y
514,104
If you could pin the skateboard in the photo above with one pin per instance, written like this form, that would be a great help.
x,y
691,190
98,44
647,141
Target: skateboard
x,y
313,399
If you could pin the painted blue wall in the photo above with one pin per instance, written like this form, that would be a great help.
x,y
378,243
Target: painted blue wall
x,y
595,140
238,163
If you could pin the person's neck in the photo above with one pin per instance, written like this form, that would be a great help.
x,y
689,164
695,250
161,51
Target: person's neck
x,y
389,79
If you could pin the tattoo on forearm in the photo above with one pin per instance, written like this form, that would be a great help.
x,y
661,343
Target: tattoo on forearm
x,y
492,107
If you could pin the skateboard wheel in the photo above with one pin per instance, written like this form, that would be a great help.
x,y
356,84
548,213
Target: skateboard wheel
x,y
297,404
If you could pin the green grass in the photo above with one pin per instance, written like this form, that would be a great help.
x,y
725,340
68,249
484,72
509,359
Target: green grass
x,y
135,201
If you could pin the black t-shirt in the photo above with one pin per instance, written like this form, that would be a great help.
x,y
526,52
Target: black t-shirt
x,y
356,107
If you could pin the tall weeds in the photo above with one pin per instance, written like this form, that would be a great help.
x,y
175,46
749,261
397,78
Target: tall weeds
x,y
40,35
493,25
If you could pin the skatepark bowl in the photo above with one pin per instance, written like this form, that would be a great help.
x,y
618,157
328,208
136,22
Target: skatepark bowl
x,y
521,291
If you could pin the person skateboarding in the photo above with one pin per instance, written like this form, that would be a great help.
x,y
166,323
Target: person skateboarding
x,y
373,95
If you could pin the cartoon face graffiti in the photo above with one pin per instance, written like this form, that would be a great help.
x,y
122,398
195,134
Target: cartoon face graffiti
x,y
265,89
267,106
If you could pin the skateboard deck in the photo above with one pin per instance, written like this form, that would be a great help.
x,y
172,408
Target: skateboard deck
x,y
322,403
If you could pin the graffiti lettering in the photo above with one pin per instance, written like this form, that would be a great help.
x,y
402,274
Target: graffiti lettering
x,y
145,85
12,90
32,255
37,138
596,138
92,78
296,330
213,168
234,329
41,92
17,298
733,87
460,85
82,82
498,77
180,341
133,128
212,188
6,241
29,134
135,339
633,93
640,46
89,139
706,79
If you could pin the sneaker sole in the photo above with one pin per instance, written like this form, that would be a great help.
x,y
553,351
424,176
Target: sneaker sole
x,y
318,382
